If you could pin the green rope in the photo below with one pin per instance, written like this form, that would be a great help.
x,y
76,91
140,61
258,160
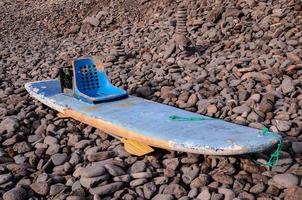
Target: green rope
x,y
265,132
179,118
274,157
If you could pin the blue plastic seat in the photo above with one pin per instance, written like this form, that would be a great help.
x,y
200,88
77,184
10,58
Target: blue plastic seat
x,y
92,84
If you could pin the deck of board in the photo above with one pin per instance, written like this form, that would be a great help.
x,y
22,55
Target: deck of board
x,y
151,120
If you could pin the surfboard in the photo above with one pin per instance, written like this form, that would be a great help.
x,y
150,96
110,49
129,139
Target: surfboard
x,y
155,124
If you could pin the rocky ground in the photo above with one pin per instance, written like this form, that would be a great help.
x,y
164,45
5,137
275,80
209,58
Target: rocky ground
x,y
235,60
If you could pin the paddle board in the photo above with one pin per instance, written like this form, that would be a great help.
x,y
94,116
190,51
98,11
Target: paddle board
x,y
151,123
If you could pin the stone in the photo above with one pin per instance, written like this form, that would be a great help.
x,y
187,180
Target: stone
x,y
138,182
224,179
58,158
273,190
228,193
149,190
193,193
75,198
114,170
73,29
258,188
217,196
50,140
17,193
166,93
265,106
163,197
254,117
92,171
175,189
74,159
293,193
94,21
241,109
56,189
171,163
144,91
106,189
98,156
41,188
200,181
9,124
212,109
189,173
73,139
142,175
53,149
22,147
204,194
283,163
169,50
287,85
285,180
246,195
5,178
124,178
42,177
138,166
67,167
13,140
160,180
283,125
82,144
181,40
93,181
297,147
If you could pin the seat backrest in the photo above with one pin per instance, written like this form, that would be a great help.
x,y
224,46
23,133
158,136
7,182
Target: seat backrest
x,y
89,79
